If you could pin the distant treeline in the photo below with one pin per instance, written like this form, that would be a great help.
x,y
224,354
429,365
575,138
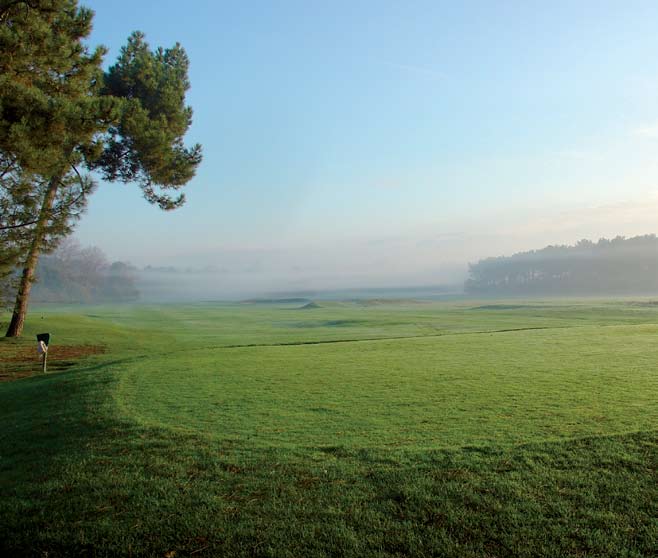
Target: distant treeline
x,y
617,266
76,274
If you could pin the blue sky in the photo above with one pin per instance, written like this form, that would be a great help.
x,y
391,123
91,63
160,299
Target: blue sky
x,y
353,143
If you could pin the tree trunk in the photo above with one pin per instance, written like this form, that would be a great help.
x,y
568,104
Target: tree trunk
x,y
22,296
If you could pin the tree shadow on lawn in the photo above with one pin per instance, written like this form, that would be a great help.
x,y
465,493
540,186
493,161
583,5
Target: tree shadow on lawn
x,y
77,479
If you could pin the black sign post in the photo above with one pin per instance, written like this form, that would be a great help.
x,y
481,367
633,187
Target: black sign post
x,y
42,348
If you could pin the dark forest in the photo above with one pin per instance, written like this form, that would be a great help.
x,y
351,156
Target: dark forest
x,y
618,266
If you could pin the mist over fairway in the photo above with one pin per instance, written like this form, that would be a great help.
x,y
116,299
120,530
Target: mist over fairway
x,y
180,285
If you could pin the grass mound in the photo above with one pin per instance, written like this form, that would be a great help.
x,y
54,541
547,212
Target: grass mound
x,y
387,301
91,483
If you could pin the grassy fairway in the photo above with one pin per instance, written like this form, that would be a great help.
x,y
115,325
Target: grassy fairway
x,y
355,429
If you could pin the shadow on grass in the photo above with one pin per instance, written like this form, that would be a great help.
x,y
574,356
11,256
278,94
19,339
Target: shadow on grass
x,y
78,480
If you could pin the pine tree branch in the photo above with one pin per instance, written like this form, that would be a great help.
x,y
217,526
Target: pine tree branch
x,y
59,209
9,167
18,226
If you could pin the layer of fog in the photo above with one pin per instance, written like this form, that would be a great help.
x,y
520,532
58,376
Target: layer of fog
x,y
435,255
188,285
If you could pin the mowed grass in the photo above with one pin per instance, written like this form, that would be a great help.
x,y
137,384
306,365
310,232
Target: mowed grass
x,y
356,429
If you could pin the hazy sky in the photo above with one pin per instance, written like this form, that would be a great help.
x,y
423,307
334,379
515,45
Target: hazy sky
x,y
380,143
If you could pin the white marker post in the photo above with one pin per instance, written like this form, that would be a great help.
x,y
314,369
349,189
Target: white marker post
x,y
42,348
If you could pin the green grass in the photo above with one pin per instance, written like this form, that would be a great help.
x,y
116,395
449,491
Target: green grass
x,y
355,429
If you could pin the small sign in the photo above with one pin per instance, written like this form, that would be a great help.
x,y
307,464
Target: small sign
x,y
42,348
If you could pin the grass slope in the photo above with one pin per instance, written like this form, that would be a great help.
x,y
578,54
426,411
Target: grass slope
x,y
401,430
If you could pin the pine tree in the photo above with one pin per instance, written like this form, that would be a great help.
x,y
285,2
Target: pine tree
x,y
59,115
145,145
51,113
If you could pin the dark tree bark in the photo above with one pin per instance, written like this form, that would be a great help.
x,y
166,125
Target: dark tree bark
x,y
27,277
